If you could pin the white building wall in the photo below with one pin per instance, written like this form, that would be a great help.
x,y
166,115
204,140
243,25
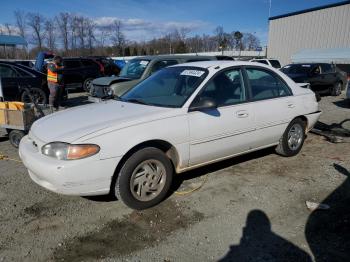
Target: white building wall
x,y
325,28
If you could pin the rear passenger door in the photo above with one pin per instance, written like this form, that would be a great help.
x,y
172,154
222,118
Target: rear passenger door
x,y
273,105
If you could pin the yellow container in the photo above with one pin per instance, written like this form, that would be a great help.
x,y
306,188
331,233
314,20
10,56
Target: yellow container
x,y
3,105
11,106
15,105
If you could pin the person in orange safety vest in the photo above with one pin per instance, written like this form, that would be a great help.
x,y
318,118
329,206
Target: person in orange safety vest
x,y
55,81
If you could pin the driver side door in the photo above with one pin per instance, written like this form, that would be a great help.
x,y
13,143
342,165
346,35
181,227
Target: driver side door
x,y
226,130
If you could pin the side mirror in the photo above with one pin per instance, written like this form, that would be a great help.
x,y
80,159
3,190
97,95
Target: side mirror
x,y
203,104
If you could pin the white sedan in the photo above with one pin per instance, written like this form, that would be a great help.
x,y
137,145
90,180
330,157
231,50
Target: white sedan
x,y
180,118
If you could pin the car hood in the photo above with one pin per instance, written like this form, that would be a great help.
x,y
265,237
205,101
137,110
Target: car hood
x,y
106,81
75,123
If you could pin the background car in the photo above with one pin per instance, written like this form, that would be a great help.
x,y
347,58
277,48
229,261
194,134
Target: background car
x,y
271,62
15,77
79,72
323,77
108,66
179,118
135,71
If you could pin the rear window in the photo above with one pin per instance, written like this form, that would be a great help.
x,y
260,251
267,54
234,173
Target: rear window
x,y
275,63
297,69
261,62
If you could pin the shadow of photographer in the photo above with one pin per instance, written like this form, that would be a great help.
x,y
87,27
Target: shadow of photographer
x,y
328,232
260,243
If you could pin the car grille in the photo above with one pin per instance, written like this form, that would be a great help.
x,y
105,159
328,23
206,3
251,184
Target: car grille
x,y
99,91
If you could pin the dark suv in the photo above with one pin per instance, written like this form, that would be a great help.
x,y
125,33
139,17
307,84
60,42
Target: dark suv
x,y
79,72
323,77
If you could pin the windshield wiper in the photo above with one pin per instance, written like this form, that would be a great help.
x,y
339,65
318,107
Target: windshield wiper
x,y
135,100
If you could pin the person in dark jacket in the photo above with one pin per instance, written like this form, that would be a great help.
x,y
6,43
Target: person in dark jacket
x,y
55,81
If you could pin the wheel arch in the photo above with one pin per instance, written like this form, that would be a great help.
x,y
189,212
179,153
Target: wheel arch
x,y
305,120
169,150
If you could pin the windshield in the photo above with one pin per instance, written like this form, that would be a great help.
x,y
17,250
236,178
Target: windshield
x,y
134,69
169,87
275,63
302,69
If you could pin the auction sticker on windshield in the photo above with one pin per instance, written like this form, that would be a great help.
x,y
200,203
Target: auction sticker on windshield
x,y
144,62
196,73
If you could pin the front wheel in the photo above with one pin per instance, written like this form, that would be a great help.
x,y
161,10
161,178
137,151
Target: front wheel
x,y
336,89
37,95
145,179
293,138
88,84
15,137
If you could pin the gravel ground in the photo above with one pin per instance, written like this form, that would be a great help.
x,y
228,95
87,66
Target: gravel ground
x,y
250,208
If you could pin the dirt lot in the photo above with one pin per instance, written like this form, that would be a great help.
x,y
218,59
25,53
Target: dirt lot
x,y
250,208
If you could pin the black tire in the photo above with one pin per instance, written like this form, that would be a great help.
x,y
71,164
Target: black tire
x,y
37,93
122,186
15,137
283,147
336,89
87,84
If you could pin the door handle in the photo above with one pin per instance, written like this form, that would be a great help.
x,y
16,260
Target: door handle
x,y
242,114
291,105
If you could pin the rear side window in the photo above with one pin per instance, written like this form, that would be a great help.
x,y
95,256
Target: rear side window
x,y
6,71
265,84
71,64
88,62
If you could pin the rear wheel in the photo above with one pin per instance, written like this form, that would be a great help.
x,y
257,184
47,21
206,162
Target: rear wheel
x,y
38,95
88,84
336,89
293,138
145,179
15,137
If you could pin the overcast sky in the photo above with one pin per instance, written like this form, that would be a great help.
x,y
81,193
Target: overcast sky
x,y
145,19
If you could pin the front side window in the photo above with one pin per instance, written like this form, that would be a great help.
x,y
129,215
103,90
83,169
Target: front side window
x,y
169,87
327,68
134,69
226,88
266,85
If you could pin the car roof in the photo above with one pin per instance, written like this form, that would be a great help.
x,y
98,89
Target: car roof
x,y
161,57
222,64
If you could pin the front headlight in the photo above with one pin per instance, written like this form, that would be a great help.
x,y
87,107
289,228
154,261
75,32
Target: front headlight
x,y
65,151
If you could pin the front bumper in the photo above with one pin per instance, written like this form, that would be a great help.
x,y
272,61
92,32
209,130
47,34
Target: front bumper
x,y
84,177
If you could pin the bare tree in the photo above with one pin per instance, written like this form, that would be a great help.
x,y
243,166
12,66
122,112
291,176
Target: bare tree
x,y
238,40
81,30
73,28
104,34
50,33
36,23
250,41
8,29
62,20
90,33
117,36
20,17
